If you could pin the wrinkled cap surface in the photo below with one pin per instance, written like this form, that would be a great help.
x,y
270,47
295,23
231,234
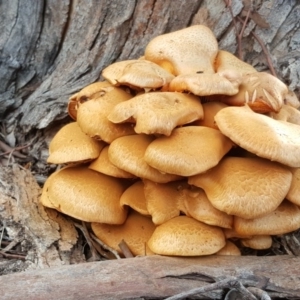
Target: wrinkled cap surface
x,y
127,153
188,150
245,187
284,219
137,73
85,195
158,112
207,84
184,51
272,139
184,236
70,145
136,231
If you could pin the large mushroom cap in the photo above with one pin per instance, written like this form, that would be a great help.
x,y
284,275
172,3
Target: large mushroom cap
x,y
127,153
275,140
158,112
92,115
245,187
136,231
184,51
184,236
86,195
70,144
188,150
137,73
284,219
294,192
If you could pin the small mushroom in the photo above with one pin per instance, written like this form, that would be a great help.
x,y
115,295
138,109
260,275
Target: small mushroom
x,y
258,242
92,91
188,150
127,153
71,145
162,200
210,109
275,140
136,231
158,112
200,208
189,50
92,115
85,195
137,73
184,236
103,165
284,219
229,249
245,187
134,197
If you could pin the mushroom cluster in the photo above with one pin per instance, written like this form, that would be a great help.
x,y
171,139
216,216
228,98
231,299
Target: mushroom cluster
x,y
180,152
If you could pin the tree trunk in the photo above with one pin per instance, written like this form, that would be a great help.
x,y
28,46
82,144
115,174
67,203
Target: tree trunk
x,y
51,49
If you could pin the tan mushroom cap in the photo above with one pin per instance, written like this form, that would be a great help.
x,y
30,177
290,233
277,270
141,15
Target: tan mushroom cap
x,y
137,73
127,153
231,233
284,219
210,109
258,242
189,50
85,195
134,197
207,84
162,200
227,61
199,207
293,194
229,249
188,150
245,187
275,140
92,115
89,92
70,145
287,114
261,91
158,112
136,231
184,236
103,165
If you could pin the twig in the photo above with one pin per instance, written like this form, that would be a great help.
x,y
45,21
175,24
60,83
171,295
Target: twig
x,y
13,151
95,255
11,245
222,284
104,246
125,249
8,255
260,294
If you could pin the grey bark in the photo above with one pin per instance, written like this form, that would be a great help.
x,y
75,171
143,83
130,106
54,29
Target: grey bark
x,y
155,277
